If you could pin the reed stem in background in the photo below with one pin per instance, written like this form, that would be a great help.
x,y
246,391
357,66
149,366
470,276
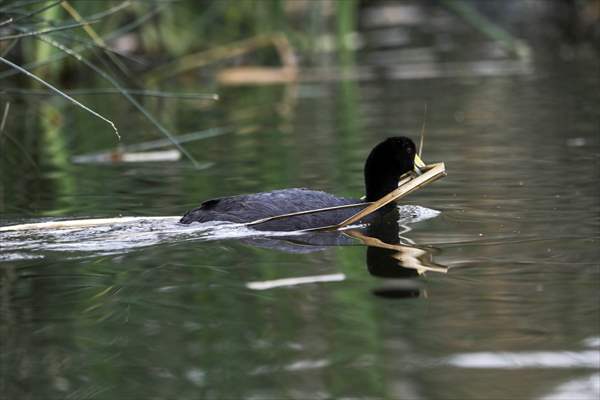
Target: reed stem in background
x,y
61,93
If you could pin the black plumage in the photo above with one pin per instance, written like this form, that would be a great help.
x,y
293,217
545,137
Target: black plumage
x,y
386,163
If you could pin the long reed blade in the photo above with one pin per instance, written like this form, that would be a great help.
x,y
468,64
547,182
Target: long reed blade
x,y
59,92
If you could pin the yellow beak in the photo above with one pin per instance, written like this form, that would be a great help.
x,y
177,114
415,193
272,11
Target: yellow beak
x,y
418,164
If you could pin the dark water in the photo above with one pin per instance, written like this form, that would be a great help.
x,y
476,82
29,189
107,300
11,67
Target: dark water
x,y
179,316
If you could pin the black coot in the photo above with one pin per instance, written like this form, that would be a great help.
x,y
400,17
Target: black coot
x,y
386,163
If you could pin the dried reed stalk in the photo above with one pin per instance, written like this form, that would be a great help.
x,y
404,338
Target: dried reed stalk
x,y
432,173
78,223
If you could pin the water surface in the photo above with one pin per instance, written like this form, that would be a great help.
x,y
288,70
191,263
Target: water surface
x,y
515,316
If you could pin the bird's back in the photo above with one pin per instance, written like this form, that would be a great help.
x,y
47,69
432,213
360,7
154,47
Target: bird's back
x,y
251,207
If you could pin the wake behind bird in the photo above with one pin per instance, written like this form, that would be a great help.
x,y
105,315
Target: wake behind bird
x,y
106,236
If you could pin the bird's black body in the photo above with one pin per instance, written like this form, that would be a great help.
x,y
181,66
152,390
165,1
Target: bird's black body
x,y
385,164
251,207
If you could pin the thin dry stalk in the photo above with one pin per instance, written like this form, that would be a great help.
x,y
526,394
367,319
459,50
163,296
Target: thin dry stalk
x,y
316,210
434,172
59,92
78,223
252,75
297,213
405,186
203,58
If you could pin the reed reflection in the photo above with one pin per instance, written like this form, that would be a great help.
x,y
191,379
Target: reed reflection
x,y
396,258
389,255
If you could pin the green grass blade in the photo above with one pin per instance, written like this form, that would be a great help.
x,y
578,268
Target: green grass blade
x,y
116,33
45,31
31,14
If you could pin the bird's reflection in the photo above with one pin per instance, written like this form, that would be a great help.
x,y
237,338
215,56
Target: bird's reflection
x,y
389,255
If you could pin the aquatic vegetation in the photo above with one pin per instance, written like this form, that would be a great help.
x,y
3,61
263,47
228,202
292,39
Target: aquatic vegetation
x,y
128,44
